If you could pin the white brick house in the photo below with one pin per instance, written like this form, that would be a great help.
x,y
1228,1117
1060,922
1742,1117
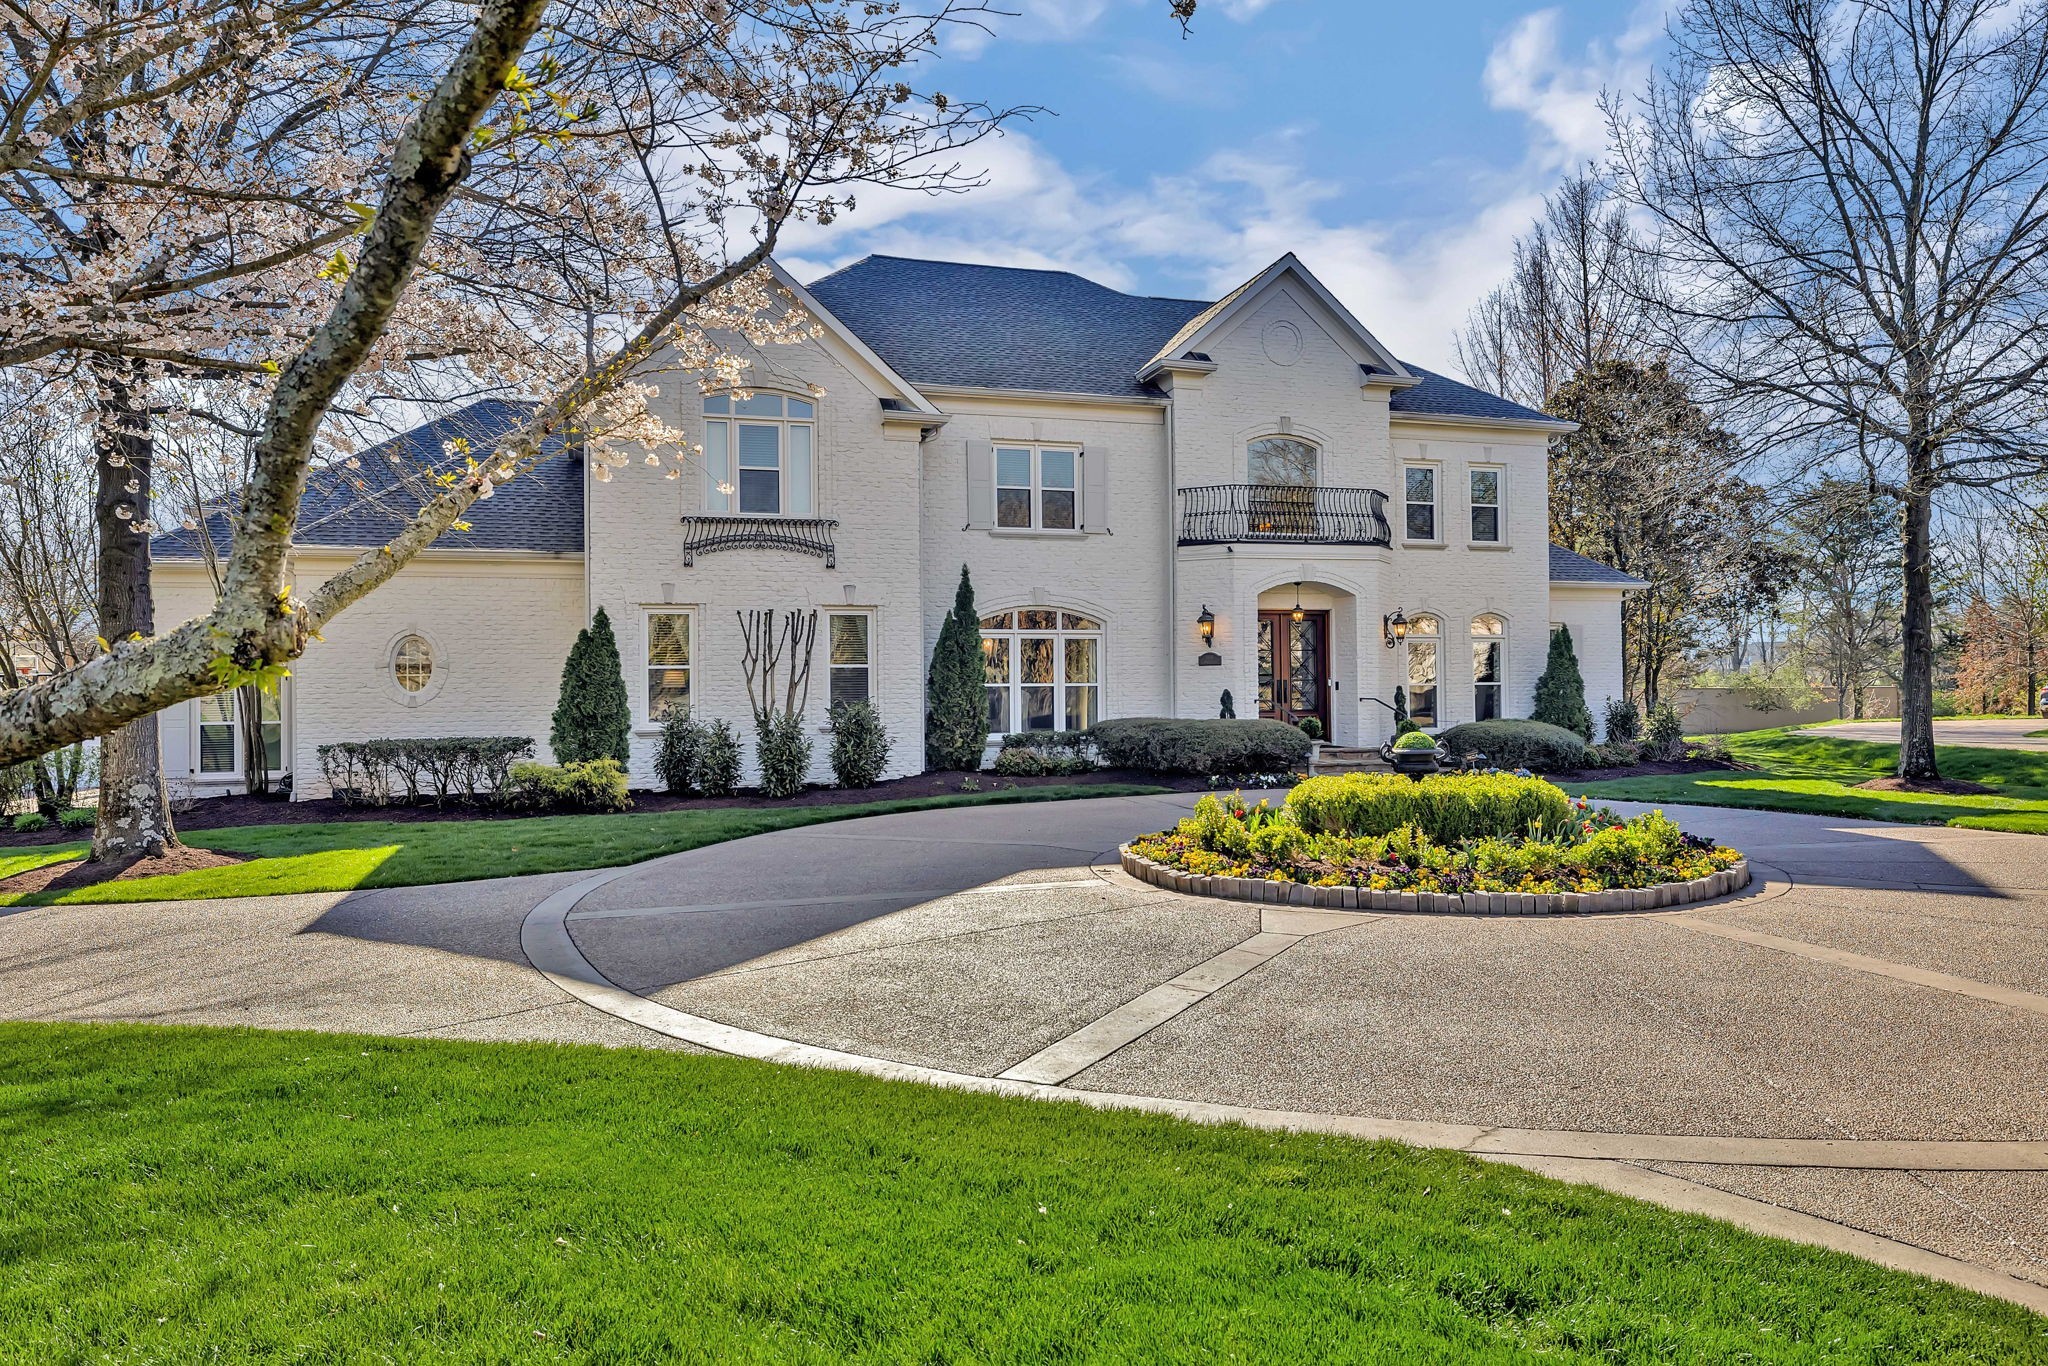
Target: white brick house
x,y
1157,500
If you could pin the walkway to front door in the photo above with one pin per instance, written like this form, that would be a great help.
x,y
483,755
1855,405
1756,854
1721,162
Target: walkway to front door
x,y
1294,659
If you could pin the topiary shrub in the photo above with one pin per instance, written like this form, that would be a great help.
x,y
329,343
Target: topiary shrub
x,y
718,761
1624,722
1413,738
675,753
1517,744
783,751
587,785
1561,692
1229,707
1666,740
1401,721
956,689
593,719
1159,745
1311,726
1447,808
860,745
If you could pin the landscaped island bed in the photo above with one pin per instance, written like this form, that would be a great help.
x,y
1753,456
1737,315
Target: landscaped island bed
x,y
190,1194
1473,842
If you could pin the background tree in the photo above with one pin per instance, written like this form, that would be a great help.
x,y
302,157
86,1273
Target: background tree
x,y
1850,203
1845,613
593,719
956,690
1645,485
1561,691
2003,646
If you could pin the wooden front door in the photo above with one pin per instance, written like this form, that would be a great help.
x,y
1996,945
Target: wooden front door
x,y
1294,667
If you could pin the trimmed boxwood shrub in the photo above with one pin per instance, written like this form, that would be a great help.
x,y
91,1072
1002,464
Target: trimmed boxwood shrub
x,y
1414,739
378,772
860,745
592,785
1517,744
1446,808
718,761
1160,745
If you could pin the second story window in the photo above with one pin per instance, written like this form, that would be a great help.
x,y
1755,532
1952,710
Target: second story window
x,y
1486,528
1038,488
1419,485
758,454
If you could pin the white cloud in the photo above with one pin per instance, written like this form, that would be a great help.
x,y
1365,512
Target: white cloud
x,y
1220,220
1067,21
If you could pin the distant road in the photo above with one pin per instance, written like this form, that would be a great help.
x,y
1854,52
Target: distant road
x,y
1983,732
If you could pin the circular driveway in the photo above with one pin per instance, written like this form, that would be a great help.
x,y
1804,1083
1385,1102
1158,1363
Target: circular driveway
x,y
1860,1037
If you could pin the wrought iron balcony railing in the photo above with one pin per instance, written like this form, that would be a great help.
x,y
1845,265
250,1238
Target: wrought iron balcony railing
x,y
1229,514
800,535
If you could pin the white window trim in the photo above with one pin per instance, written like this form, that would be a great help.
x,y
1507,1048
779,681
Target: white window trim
x,y
232,776
1015,704
387,668
1436,722
1500,506
1037,527
712,491
830,613
1436,485
642,721
1473,637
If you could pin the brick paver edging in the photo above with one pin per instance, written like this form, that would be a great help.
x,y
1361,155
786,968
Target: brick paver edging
x,y
1437,903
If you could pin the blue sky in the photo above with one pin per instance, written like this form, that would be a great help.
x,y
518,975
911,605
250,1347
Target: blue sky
x,y
1395,148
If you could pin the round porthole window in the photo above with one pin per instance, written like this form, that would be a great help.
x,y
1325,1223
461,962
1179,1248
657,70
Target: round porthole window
x,y
412,664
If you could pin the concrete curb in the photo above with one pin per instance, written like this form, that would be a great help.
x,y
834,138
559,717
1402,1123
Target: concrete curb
x,y
1663,896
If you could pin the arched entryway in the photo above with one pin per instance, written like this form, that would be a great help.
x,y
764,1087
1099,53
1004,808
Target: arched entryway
x,y
1304,649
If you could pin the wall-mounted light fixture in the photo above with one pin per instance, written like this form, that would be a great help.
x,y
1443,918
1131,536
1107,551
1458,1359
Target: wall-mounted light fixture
x,y
1205,625
1299,613
1394,627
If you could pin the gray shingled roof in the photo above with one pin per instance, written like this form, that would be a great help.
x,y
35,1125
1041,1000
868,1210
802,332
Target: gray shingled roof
x,y
1000,327
364,506
1568,566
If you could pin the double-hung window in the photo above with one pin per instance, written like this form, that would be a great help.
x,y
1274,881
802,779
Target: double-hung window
x,y
850,637
668,662
221,719
759,454
1486,506
1419,491
1038,488
1044,670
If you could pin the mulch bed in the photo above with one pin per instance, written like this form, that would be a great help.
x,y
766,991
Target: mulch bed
x,y
220,813
1944,787
1651,770
60,877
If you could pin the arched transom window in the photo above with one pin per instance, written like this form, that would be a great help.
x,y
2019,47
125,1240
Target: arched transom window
x,y
1281,462
1044,670
758,454
1489,664
1425,642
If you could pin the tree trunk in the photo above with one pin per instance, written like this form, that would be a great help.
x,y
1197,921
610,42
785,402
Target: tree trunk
x,y
135,808
1916,678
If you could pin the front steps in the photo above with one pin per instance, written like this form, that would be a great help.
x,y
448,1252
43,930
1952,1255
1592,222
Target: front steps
x,y
1347,759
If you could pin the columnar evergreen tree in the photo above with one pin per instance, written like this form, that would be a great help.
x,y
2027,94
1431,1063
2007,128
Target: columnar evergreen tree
x,y
592,720
1561,692
956,691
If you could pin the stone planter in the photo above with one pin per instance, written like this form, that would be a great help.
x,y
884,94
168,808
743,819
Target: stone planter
x,y
1438,903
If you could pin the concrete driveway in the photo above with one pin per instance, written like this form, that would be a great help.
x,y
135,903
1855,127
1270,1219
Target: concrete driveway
x,y
1979,732
1849,1051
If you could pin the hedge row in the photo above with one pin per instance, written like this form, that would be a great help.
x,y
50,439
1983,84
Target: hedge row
x,y
1448,808
1533,745
1200,747
379,772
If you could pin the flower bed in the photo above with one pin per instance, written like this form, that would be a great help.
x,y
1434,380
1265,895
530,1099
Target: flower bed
x,y
1491,843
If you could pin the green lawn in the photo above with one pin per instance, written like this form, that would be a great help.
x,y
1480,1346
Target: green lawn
x,y
344,855
1808,770
186,1195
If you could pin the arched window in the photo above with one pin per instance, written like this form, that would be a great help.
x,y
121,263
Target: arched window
x,y
1489,664
758,454
1281,462
1425,641
1044,670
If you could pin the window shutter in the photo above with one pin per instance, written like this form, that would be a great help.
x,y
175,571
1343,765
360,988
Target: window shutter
x,y
1094,489
981,485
